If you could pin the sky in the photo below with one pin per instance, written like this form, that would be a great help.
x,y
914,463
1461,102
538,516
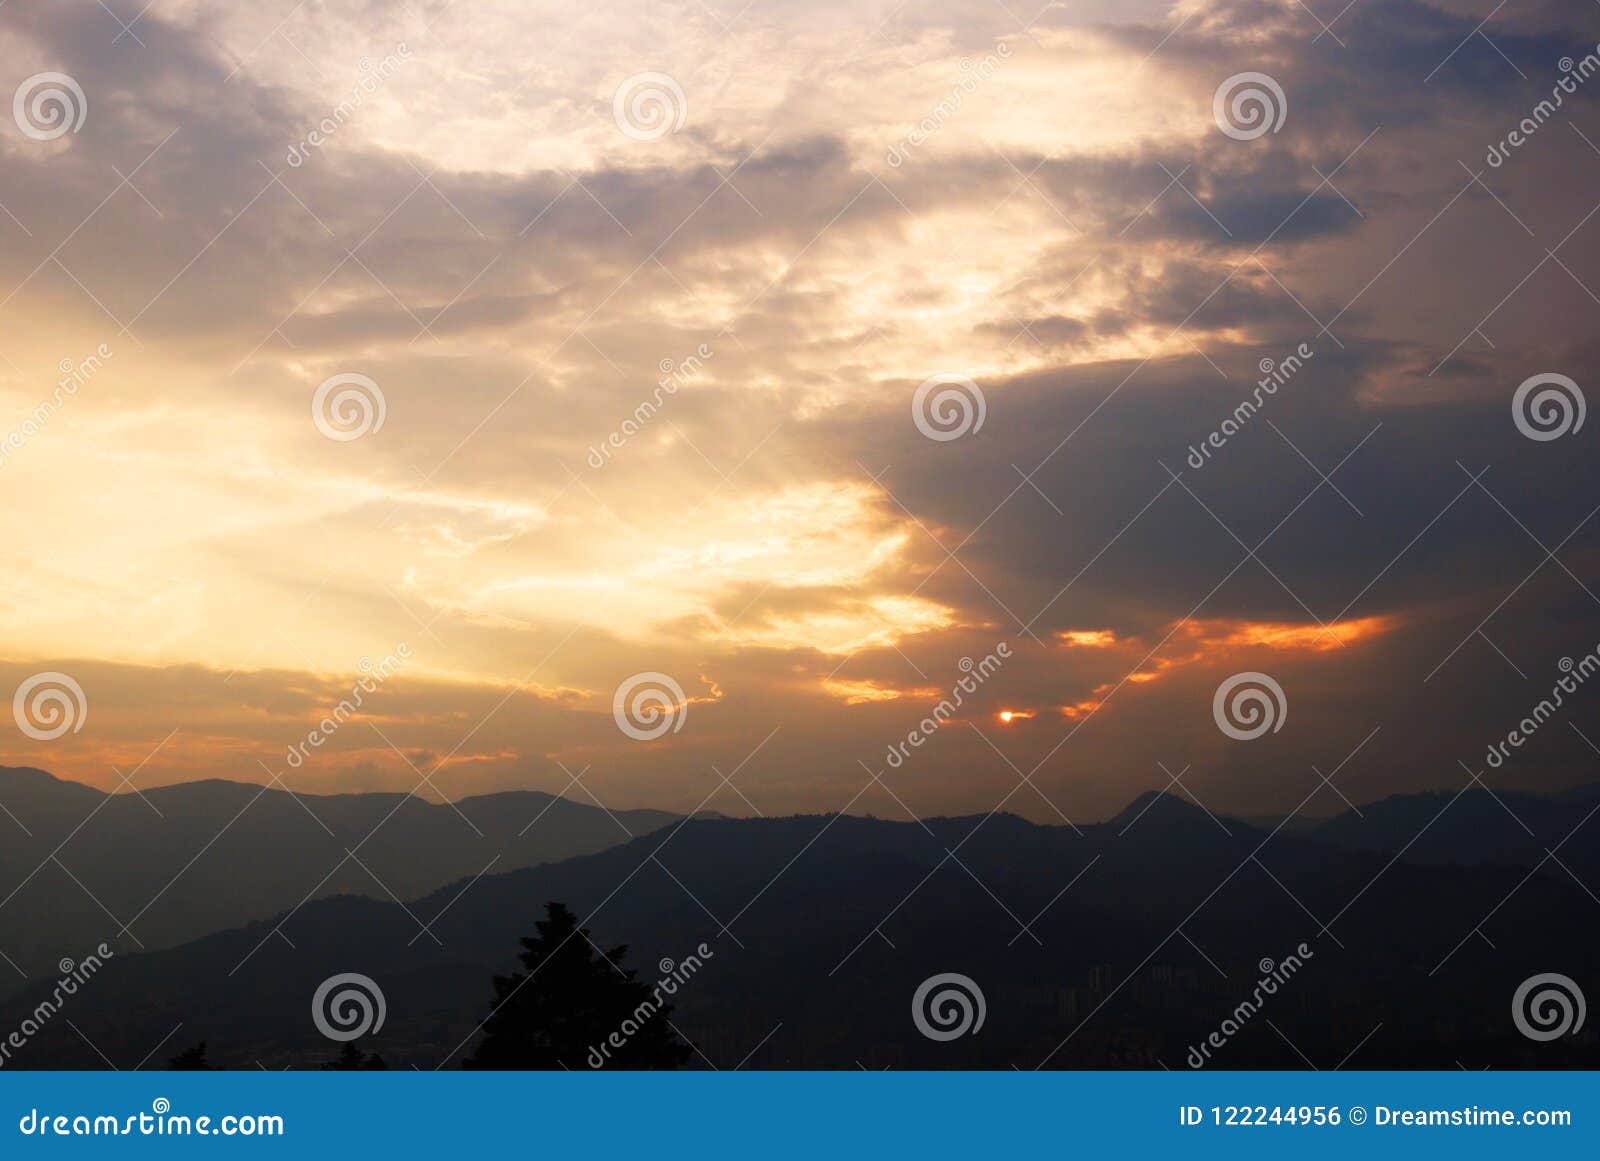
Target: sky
x,y
804,364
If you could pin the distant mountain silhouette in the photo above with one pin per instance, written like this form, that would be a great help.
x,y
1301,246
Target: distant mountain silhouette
x,y
1120,944
1159,810
179,862
1506,828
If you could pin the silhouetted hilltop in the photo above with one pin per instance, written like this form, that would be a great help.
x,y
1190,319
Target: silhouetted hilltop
x,y
1157,808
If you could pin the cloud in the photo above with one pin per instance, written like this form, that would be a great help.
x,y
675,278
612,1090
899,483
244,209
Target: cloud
x,y
733,319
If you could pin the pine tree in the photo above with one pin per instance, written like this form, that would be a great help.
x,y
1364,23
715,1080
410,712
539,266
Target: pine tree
x,y
191,1060
570,1006
352,1060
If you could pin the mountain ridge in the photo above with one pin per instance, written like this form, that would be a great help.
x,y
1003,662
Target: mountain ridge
x,y
164,866
821,926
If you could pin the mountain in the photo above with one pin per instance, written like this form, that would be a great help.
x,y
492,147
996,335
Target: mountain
x,y
136,871
1122,944
1502,827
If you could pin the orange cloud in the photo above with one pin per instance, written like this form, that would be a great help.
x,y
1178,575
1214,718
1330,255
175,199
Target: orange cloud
x,y
1225,634
1087,638
1213,638
864,692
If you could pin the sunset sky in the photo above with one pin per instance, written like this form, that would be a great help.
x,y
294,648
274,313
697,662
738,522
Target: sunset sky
x,y
859,197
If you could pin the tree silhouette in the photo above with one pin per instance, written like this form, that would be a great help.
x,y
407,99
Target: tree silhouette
x,y
575,1009
191,1060
351,1060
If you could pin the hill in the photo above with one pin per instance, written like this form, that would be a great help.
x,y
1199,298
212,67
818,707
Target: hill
x,y
144,871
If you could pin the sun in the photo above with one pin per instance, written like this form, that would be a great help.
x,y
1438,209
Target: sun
x,y
1009,716
1006,715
